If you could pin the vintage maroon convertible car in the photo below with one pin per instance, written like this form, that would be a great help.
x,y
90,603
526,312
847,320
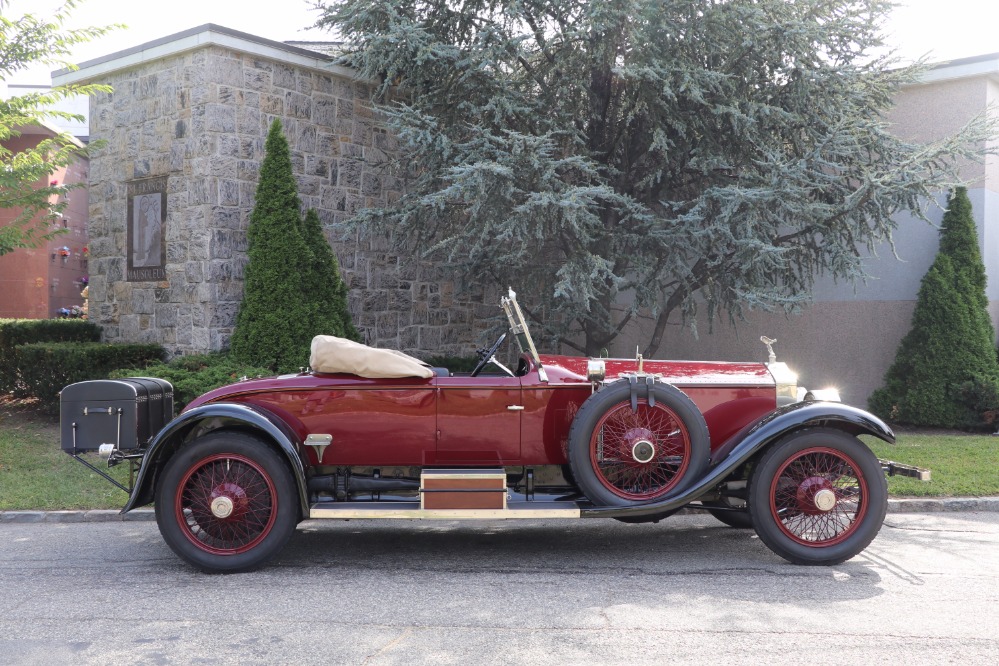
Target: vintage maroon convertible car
x,y
559,437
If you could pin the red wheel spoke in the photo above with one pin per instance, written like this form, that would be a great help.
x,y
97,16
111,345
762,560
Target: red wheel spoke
x,y
617,466
800,480
241,483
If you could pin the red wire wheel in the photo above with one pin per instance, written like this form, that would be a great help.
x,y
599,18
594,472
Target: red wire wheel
x,y
637,443
640,455
227,503
818,497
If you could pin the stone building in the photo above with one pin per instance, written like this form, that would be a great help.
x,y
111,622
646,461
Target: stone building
x,y
172,191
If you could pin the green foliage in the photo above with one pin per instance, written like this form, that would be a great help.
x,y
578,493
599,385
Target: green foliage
x,y
24,175
324,285
665,154
293,288
272,327
945,371
45,368
194,375
15,332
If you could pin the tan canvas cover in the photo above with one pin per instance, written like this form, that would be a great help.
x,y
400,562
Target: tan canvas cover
x,y
331,354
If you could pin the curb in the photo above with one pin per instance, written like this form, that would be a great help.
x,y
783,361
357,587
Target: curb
x,y
909,505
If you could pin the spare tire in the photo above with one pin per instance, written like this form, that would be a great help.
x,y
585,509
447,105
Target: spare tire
x,y
626,449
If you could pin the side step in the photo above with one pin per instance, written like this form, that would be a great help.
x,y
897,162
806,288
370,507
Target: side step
x,y
412,511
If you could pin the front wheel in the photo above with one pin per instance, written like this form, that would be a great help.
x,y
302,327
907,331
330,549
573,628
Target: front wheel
x,y
226,502
818,497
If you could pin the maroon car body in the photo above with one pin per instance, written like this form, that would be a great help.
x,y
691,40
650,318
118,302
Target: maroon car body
x,y
560,437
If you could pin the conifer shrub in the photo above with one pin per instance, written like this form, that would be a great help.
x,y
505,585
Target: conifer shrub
x,y
326,287
273,328
945,372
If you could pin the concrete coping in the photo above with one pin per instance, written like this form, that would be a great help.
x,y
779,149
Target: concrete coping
x,y
195,38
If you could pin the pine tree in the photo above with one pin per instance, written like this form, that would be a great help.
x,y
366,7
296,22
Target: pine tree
x,y
324,284
274,327
945,371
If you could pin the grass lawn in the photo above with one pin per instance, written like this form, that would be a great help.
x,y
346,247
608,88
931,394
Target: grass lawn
x,y
36,474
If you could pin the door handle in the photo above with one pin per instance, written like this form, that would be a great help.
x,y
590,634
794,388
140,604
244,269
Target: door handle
x,y
515,408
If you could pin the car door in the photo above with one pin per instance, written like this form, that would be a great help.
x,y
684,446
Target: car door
x,y
478,420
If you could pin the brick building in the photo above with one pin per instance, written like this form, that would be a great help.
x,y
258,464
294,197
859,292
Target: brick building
x,y
36,283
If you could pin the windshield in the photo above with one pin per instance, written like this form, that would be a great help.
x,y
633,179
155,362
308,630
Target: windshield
x,y
519,327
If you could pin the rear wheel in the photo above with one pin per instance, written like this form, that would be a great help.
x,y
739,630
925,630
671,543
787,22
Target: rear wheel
x,y
226,502
818,497
623,452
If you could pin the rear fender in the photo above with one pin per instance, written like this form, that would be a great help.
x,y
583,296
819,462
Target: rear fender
x,y
749,441
228,416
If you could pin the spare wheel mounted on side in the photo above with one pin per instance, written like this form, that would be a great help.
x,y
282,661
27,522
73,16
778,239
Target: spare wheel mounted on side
x,y
634,442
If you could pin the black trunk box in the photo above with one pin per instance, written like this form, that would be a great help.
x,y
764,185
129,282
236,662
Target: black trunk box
x,y
124,412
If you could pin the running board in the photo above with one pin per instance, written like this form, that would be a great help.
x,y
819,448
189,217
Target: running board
x,y
411,511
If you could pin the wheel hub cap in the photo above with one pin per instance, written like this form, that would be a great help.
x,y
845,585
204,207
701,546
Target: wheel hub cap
x,y
222,507
825,500
815,495
643,451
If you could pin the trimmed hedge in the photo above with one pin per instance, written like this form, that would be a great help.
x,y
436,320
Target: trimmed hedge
x,y
46,368
194,375
15,332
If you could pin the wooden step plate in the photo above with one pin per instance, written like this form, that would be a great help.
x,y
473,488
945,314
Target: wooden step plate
x,y
463,489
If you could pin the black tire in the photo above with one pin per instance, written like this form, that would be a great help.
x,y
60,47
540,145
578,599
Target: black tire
x,y
226,502
607,462
818,497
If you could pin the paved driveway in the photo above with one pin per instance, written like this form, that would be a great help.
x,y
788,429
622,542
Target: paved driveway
x,y
540,592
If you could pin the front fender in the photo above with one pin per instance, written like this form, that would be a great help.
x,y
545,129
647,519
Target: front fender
x,y
747,442
169,439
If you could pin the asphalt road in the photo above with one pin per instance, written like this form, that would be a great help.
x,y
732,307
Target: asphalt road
x,y
541,592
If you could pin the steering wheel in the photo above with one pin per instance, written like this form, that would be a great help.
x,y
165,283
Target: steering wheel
x,y
486,355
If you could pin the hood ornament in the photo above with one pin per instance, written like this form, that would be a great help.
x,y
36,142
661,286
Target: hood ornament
x,y
769,342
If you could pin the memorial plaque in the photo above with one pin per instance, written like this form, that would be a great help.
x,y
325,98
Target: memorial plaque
x,y
147,229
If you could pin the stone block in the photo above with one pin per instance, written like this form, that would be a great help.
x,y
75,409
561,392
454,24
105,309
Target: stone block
x,y
298,105
256,79
220,118
166,315
228,193
283,76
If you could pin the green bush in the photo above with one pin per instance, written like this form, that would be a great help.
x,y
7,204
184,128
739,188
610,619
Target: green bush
x,y
194,375
48,367
15,332
945,372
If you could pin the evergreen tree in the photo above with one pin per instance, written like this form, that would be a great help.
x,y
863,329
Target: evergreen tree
x,y
945,371
324,284
666,154
274,327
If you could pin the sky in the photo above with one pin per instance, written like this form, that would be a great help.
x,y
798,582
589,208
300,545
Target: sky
x,y
916,28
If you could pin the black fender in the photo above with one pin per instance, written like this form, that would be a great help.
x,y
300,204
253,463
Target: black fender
x,y
168,440
749,441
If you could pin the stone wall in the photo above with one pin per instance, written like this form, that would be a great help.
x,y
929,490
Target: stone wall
x,y
200,118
